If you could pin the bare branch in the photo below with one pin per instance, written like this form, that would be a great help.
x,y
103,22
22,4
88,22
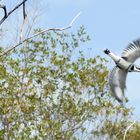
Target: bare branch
x,y
24,11
5,11
75,18
128,129
41,32
10,12
22,27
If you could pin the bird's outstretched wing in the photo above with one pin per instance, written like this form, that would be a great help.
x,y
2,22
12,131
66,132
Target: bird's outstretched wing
x,y
117,80
132,51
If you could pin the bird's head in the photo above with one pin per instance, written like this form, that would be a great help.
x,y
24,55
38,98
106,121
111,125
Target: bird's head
x,y
106,51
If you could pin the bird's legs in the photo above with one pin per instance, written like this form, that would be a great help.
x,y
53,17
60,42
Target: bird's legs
x,y
134,68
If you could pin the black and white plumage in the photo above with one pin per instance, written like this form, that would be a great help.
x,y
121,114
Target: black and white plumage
x,y
124,64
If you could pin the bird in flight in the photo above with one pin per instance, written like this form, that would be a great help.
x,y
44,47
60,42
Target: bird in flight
x,y
124,64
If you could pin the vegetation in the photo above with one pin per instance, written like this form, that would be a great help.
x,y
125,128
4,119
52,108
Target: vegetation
x,y
51,91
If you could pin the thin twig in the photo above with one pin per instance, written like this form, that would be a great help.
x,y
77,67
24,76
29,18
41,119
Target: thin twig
x,y
71,23
24,11
10,12
128,129
41,32
5,11
22,27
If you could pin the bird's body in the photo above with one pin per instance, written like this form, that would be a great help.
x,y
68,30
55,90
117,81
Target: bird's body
x,y
124,64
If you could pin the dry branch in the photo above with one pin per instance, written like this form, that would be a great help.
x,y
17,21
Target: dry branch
x,y
41,32
10,12
5,11
128,129
24,11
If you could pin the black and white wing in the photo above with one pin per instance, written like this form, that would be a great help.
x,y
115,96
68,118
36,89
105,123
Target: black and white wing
x,y
117,80
132,51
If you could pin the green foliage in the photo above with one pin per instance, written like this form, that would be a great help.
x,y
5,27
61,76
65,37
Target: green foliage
x,y
50,90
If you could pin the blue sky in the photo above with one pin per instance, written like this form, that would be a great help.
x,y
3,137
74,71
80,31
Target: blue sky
x,y
110,24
